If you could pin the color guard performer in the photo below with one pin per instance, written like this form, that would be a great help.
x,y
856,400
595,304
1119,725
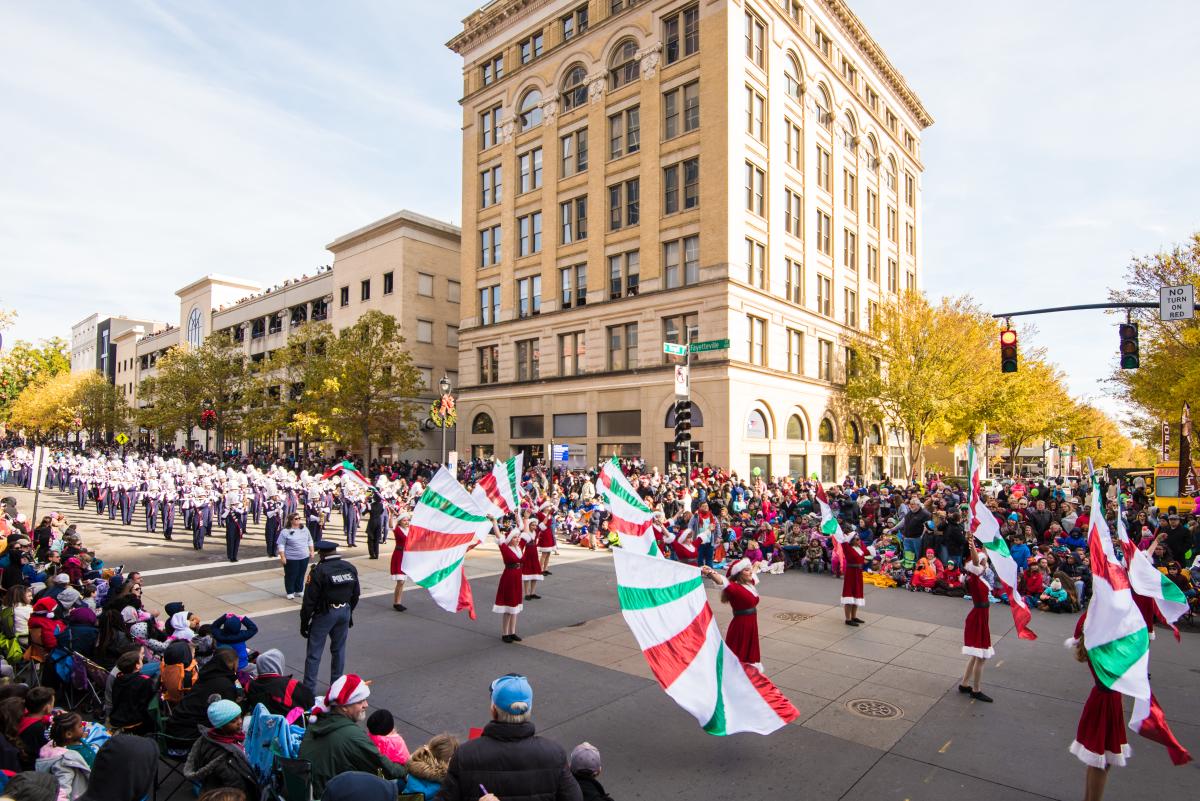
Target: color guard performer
x,y
977,634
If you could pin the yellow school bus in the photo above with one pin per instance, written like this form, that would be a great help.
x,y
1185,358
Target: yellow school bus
x,y
1167,491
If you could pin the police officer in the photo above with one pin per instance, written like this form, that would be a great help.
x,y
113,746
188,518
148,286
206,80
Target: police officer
x,y
329,600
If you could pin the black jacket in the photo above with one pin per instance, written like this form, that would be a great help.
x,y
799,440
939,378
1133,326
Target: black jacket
x,y
591,789
215,765
131,697
913,525
192,710
128,765
332,581
511,763
270,690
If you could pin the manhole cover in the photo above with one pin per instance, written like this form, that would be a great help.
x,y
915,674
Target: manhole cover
x,y
874,708
792,617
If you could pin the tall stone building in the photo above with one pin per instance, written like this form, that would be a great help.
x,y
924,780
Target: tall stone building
x,y
636,173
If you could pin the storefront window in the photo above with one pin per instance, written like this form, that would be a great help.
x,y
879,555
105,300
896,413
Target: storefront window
x,y
756,425
829,468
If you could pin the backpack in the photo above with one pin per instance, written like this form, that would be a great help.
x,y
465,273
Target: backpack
x,y
177,680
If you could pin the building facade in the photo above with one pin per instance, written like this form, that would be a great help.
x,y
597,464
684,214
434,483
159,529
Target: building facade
x,y
617,196
405,265
93,342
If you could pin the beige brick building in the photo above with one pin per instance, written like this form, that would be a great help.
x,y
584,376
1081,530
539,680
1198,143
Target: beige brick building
x,y
637,173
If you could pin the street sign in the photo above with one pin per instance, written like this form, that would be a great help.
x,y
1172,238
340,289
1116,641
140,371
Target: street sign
x,y
1177,302
672,349
558,453
994,439
1166,440
682,385
122,438
712,344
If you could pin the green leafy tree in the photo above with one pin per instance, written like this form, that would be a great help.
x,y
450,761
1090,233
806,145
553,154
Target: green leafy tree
x,y
1031,404
25,362
100,405
275,397
47,407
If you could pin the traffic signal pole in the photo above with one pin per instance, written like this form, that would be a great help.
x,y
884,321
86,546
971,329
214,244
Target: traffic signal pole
x,y
1082,307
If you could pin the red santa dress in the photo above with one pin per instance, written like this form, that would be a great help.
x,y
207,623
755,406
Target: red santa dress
x,y
545,531
685,552
400,537
852,582
977,633
1100,737
742,634
531,561
509,597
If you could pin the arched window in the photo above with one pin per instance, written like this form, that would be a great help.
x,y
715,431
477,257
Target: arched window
x,y
697,416
482,424
529,113
795,427
195,333
624,66
891,173
876,436
821,98
849,131
756,425
825,430
872,148
791,76
855,434
574,88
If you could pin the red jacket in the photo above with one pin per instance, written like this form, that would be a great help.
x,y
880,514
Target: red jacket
x,y
48,627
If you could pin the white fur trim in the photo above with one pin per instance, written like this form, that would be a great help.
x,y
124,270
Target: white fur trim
x,y
855,601
1070,642
507,610
545,550
399,577
1094,760
1152,635
982,653
532,577
738,566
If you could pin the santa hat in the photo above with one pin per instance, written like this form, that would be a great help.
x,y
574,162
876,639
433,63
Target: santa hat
x,y
737,567
1072,641
349,689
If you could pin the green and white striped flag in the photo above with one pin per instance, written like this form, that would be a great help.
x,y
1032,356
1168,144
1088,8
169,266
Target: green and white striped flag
x,y
445,522
829,524
1148,581
631,518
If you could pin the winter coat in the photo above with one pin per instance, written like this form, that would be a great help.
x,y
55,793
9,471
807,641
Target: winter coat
x,y
128,765
512,763
192,712
49,629
132,694
215,764
82,638
591,789
335,744
425,773
271,689
68,767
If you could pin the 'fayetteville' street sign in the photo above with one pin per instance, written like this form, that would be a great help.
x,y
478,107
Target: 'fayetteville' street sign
x,y
712,344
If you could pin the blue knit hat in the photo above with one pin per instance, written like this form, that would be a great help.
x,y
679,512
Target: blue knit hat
x,y
223,711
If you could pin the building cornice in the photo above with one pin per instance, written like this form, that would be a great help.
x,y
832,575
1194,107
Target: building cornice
x,y
401,219
854,28
480,24
223,280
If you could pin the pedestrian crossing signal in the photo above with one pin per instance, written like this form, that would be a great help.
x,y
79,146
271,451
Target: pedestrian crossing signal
x,y
1128,333
1008,351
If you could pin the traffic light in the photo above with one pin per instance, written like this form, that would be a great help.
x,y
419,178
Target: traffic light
x,y
1129,346
683,423
1008,351
1099,443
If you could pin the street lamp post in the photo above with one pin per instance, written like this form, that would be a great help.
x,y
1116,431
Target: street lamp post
x,y
444,386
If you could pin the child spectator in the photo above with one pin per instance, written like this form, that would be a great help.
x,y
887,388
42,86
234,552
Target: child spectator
x,y
382,728
585,767
34,724
1054,598
428,765
67,757
814,560
132,692
233,631
218,758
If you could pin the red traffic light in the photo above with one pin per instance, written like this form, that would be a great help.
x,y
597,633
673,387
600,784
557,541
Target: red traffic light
x,y
1008,337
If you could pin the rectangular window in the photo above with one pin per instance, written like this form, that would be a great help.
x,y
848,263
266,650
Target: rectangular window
x,y
756,114
489,246
492,70
873,263
910,143
681,186
489,364
424,284
529,234
910,239
453,289
681,261
574,220
490,187
489,128
850,190
793,213
624,274
910,185
570,425
794,285
872,209
572,286
910,282
624,204
872,314
795,145
529,296
824,233
892,224
622,346
756,35
425,332
531,426
824,359
850,299
891,120
756,264
892,276
825,295
344,296
823,43
871,98
849,73
619,424
681,110
451,336
624,132
530,165
824,174
795,352
366,289
528,360
571,353
681,329
575,23
489,305
756,189
681,34
757,340
574,153
850,249
531,48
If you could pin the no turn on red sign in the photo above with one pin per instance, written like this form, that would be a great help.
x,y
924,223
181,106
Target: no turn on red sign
x,y
1177,302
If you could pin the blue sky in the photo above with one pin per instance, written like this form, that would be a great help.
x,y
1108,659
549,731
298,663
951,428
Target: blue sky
x,y
149,143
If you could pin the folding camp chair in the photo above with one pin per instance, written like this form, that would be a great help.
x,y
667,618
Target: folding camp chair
x,y
172,754
293,779
85,690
